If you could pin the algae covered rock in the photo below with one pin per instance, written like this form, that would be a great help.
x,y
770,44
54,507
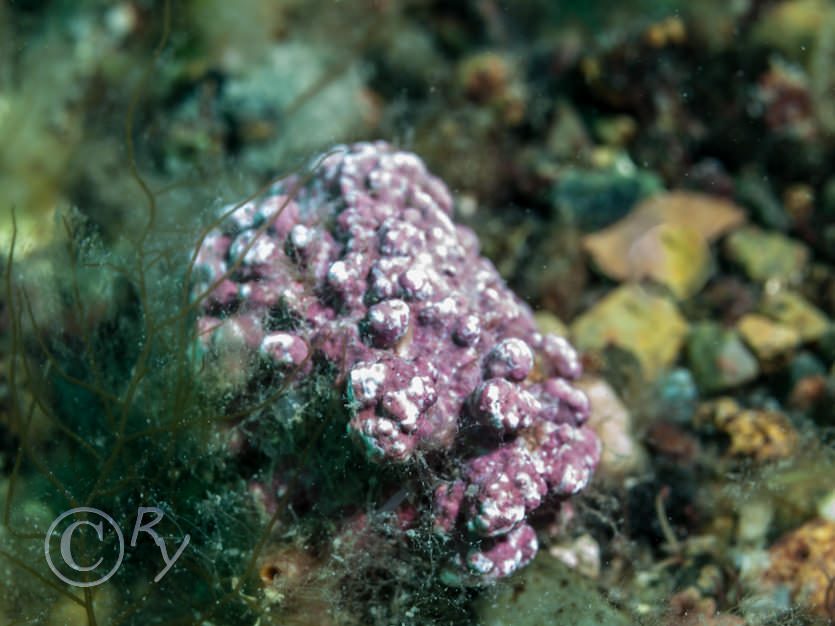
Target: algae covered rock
x,y
718,358
765,255
596,199
548,592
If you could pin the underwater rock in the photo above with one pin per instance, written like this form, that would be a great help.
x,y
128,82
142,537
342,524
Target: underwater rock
x,y
670,441
783,96
791,25
493,79
727,298
617,130
548,592
769,340
568,140
676,396
711,216
581,554
765,255
793,310
262,105
360,271
547,322
637,320
826,506
675,256
809,389
753,190
800,200
665,238
754,520
801,560
756,433
718,358
690,608
610,418
595,199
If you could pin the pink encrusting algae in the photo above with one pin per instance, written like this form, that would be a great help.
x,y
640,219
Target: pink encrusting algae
x,y
443,364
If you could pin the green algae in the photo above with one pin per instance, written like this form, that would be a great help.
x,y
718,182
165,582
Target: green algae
x,y
109,413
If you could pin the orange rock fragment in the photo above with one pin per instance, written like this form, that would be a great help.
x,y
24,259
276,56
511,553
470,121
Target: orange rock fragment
x,y
804,561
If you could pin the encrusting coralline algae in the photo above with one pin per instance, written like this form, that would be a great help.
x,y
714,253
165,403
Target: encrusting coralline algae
x,y
442,362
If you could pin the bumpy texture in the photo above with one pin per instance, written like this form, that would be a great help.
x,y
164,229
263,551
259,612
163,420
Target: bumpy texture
x,y
363,269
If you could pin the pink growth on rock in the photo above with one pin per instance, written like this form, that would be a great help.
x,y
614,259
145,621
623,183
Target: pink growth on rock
x,y
364,266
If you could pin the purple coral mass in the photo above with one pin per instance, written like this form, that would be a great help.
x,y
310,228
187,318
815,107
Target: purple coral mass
x,y
503,407
510,358
388,322
284,348
366,268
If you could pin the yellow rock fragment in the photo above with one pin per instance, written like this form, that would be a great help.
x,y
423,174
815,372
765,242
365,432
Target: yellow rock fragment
x,y
635,319
673,255
791,309
768,339
755,433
